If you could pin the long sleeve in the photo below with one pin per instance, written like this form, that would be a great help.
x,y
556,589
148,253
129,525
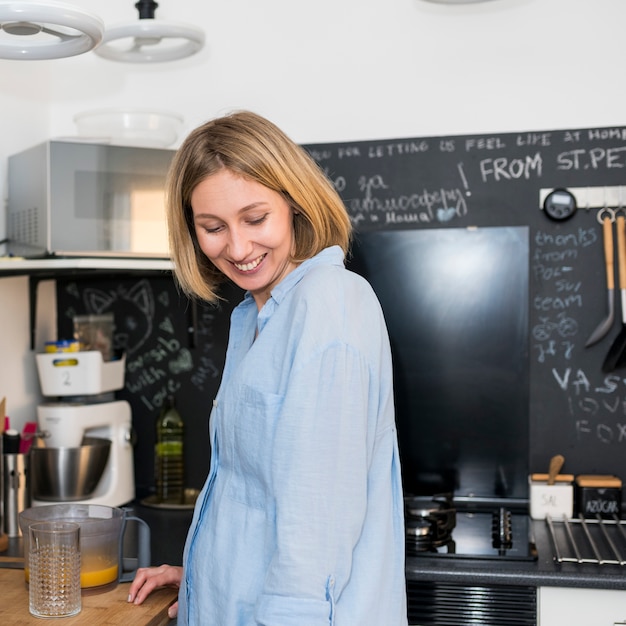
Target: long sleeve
x,y
321,481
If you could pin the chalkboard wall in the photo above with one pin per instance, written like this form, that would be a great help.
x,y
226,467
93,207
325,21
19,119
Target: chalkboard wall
x,y
496,180
421,183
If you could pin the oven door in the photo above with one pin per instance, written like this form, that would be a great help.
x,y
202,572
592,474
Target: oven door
x,y
451,604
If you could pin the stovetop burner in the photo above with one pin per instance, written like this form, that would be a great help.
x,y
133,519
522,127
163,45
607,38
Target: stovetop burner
x,y
436,527
429,522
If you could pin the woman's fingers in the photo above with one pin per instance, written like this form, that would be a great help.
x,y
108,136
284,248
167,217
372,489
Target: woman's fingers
x,y
172,612
147,579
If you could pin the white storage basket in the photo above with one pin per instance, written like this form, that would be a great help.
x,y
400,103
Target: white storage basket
x,y
79,373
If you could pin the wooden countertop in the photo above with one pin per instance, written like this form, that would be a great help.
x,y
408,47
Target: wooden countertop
x,y
100,609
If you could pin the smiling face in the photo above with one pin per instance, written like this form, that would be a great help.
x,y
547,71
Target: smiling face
x,y
246,230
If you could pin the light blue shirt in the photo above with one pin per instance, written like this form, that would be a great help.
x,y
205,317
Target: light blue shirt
x,y
301,519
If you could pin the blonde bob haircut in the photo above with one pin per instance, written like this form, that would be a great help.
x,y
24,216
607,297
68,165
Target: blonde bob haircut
x,y
251,146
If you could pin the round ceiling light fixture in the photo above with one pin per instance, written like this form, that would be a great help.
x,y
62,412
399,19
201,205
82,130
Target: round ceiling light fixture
x,y
46,30
149,40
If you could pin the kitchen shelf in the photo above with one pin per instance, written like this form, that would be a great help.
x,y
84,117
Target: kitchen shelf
x,y
11,266
52,268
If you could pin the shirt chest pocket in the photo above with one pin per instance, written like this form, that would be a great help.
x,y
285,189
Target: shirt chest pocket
x,y
254,419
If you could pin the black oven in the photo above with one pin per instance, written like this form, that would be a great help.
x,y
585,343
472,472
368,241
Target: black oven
x,y
452,604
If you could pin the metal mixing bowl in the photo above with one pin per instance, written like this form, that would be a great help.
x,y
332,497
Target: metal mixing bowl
x,y
67,474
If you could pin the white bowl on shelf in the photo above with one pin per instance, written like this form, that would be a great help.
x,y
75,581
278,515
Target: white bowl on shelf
x,y
130,127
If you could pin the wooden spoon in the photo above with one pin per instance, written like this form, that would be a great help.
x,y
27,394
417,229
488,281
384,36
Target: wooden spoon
x,y
556,463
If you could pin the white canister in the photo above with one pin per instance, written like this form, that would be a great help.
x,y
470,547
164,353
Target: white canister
x,y
556,500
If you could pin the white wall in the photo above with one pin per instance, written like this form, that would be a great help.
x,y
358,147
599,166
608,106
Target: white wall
x,y
329,70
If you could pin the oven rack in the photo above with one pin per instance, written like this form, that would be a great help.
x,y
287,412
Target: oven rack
x,y
601,541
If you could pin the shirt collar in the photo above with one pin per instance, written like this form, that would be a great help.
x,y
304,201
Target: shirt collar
x,y
328,256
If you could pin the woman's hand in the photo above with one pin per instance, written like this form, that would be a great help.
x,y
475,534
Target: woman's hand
x,y
147,579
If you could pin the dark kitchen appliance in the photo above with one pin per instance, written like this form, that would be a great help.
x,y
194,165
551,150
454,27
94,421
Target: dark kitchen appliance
x,y
456,305
457,309
435,528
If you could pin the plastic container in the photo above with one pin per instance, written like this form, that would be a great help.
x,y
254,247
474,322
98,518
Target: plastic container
x,y
79,373
95,332
130,127
102,531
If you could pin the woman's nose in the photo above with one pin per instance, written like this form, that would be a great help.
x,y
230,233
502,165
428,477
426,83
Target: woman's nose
x,y
238,245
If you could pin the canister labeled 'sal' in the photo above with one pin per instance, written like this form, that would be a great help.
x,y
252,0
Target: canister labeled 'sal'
x,y
551,494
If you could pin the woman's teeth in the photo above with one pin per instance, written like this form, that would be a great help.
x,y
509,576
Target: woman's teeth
x,y
246,267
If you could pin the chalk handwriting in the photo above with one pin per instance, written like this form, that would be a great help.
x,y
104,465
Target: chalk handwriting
x,y
484,143
534,139
399,148
581,238
607,134
163,350
594,158
554,303
425,206
320,155
505,169
571,136
551,348
594,406
605,433
404,147
154,400
560,297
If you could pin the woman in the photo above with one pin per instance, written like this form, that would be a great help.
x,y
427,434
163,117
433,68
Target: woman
x,y
300,521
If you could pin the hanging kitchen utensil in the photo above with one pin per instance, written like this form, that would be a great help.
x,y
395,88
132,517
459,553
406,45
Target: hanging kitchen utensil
x,y
605,325
617,352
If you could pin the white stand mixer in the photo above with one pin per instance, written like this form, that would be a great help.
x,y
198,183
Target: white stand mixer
x,y
65,424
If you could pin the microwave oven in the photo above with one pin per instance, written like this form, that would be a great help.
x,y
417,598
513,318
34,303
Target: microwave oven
x,y
73,198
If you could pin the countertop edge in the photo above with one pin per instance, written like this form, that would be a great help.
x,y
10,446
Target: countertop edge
x,y
466,573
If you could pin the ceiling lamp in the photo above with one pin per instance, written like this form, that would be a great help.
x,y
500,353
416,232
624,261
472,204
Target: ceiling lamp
x,y
50,30
151,41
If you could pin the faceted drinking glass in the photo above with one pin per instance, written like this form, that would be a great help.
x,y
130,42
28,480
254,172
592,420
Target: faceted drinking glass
x,y
54,561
